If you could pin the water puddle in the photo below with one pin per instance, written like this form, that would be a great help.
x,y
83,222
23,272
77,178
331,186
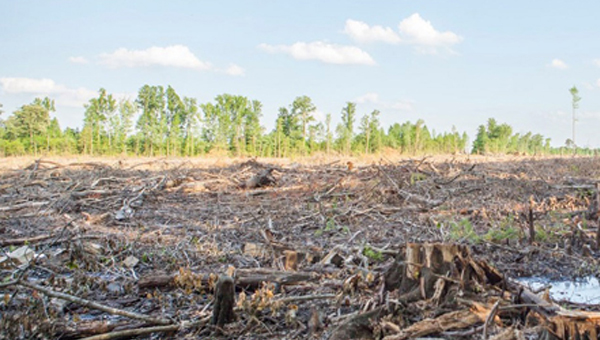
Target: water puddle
x,y
585,290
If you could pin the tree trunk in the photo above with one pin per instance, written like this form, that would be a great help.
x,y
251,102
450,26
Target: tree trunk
x,y
31,142
92,139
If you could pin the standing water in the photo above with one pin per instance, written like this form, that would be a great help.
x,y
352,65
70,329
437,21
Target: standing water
x,y
585,290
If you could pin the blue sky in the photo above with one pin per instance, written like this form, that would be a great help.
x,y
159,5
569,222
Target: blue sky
x,y
446,62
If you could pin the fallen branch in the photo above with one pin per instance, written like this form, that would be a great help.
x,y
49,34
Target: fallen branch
x,y
305,298
24,205
23,240
149,330
94,305
244,278
454,320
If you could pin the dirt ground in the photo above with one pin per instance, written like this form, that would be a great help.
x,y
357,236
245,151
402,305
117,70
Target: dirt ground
x,y
109,230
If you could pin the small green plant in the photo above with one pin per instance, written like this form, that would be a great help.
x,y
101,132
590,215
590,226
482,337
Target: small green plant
x,y
505,231
502,234
416,177
331,226
551,233
542,235
463,231
372,254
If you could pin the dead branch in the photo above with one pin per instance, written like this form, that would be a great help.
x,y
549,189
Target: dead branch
x,y
94,305
149,330
23,240
24,205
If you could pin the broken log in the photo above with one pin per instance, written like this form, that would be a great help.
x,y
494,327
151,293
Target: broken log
x,y
245,278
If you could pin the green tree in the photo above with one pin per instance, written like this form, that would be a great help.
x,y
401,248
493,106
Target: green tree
x,y
151,102
54,137
252,129
292,131
303,108
47,104
173,121
121,124
575,105
346,127
30,120
238,110
370,130
97,112
328,133
190,123
481,141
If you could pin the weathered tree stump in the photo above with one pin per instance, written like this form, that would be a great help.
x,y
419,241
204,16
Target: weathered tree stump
x,y
262,179
423,267
291,260
224,301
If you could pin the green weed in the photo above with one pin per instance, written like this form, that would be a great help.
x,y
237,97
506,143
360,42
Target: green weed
x,y
372,254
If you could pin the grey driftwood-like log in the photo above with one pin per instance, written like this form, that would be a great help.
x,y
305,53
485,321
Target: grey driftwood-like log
x,y
224,301
245,278
262,179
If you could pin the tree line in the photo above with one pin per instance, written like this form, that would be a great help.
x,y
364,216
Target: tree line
x,y
160,122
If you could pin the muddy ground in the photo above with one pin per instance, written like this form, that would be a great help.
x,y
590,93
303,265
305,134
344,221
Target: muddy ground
x,y
103,230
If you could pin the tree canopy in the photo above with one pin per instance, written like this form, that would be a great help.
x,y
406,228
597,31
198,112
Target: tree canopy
x,y
161,122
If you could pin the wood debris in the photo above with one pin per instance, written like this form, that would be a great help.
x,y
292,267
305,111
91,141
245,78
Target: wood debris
x,y
342,250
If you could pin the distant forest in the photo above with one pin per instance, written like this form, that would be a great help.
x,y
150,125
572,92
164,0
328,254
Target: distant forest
x,y
170,125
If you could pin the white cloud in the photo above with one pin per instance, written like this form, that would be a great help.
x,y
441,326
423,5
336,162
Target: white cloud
x,y
420,32
78,60
322,51
403,105
592,115
558,64
364,33
373,98
598,82
47,87
173,56
27,85
596,62
235,70
370,97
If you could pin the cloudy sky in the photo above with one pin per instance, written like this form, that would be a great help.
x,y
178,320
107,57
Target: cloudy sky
x,y
446,62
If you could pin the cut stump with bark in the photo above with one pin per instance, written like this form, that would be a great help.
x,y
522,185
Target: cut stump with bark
x,y
224,301
419,272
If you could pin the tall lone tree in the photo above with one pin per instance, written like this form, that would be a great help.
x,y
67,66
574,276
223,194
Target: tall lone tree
x,y
575,104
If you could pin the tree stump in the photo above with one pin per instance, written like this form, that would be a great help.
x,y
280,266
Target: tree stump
x,y
224,301
261,179
417,272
